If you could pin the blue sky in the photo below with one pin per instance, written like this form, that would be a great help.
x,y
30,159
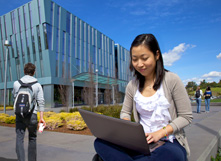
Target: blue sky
x,y
188,31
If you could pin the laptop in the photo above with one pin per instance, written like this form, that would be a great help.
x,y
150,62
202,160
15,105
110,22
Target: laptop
x,y
123,133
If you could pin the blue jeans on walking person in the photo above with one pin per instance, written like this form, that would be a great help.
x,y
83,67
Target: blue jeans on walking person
x,y
198,101
207,105
111,152
31,123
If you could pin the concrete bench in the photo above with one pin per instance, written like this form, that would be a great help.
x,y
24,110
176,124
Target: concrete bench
x,y
204,136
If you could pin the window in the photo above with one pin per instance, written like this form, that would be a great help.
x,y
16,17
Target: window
x,y
16,39
63,46
39,39
28,47
25,21
57,40
39,11
48,36
5,27
58,16
19,19
33,40
52,11
30,14
68,17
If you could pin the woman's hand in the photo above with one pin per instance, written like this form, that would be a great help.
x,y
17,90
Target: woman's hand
x,y
157,135
154,137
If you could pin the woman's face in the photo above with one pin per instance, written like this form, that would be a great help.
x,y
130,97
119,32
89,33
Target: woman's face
x,y
143,60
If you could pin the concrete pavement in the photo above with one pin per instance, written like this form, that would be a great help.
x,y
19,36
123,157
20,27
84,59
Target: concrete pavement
x,y
203,136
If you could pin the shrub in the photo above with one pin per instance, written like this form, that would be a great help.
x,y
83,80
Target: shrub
x,y
49,113
218,156
75,121
3,117
76,125
10,120
53,122
73,110
63,115
7,108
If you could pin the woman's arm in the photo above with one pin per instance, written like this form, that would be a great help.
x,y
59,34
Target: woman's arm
x,y
128,103
181,103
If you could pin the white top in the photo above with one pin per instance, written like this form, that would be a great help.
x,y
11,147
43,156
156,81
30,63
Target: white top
x,y
154,113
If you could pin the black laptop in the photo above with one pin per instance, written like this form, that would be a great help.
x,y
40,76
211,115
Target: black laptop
x,y
120,132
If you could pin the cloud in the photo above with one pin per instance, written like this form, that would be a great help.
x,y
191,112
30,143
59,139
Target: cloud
x,y
195,79
210,77
212,74
218,56
173,55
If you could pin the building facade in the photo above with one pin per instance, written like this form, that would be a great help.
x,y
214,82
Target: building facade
x,y
64,49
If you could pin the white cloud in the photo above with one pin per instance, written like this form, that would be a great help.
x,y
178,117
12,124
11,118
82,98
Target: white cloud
x,y
210,77
195,79
173,55
219,56
212,74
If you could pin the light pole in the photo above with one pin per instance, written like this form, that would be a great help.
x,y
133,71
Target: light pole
x,y
73,92
96,87
7,44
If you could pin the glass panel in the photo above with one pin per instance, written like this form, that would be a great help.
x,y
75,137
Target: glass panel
x,y
19,19
14,30
30,13
39,39
39,11
68,22
25,21
58,16
5,27
57,41
52,11
48,36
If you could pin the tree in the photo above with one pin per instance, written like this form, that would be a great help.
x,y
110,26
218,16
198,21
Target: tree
x,y
219,84
203,84
191,86
89,89
65,95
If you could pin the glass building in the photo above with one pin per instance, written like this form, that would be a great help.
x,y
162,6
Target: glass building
x,y
67,52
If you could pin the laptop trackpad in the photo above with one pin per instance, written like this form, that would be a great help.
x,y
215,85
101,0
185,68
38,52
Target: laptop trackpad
x,y
153,146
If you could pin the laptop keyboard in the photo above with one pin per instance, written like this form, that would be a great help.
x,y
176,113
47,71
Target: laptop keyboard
x,y
153,145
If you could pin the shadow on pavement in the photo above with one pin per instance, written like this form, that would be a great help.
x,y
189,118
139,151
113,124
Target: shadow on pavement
x,y
6,159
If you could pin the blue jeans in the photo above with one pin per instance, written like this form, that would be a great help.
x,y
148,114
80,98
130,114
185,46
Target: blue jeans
x,y
207,103
31,124
111,152
198,101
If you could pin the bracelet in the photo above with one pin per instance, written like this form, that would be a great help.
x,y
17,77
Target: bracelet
x,y
165,131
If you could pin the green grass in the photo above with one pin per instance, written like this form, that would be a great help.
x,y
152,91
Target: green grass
x,y
215,91
216,100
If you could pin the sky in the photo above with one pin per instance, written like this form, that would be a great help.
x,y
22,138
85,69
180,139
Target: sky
x,y
188,31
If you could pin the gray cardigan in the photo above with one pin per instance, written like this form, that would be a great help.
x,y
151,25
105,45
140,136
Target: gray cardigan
x,y
180,109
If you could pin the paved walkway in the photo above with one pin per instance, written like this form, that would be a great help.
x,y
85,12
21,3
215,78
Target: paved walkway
x,y
54,146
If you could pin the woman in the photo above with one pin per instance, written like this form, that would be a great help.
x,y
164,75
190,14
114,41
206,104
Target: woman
x,y
208,95
159,102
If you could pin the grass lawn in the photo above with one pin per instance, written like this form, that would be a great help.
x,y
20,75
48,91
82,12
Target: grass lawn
x,y
215,91
216,100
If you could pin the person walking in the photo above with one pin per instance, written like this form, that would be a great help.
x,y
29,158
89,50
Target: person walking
x,y
198,95
208,95
30,121
159,102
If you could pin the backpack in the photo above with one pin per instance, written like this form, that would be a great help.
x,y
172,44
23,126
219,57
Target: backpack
x,y
24,101
197,93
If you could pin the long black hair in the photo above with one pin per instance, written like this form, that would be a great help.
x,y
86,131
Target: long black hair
x,y
149,41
